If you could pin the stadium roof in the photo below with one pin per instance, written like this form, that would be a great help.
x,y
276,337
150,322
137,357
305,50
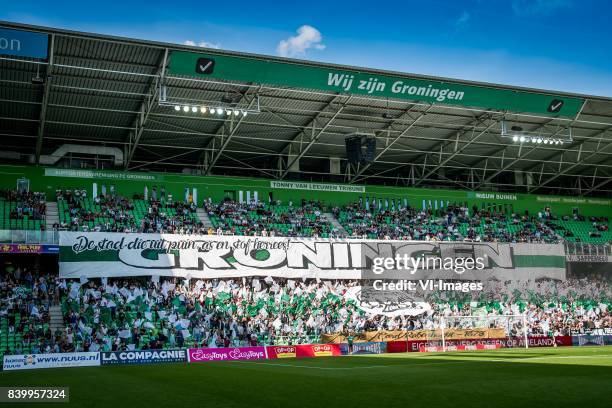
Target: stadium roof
x,y
103,91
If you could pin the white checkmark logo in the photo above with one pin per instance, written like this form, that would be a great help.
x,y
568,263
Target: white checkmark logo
x,y
555,107
203,68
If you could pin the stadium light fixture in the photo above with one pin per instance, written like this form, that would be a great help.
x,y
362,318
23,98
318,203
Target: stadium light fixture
x,y
204,109
517,133
225,105
220,110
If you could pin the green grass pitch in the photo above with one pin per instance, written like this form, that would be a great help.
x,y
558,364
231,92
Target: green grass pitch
x,y
538,377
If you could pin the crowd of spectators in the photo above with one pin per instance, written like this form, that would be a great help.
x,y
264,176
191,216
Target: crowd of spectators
x,y
453,223
115,213
25,298
151,313
272,219
106,213
175,217
25,204
158,212
551,308
141,313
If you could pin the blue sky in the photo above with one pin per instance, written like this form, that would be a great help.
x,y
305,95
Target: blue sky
x,y
551,44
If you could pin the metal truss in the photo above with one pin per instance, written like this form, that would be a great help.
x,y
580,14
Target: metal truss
x,y
45,100
395,139
144,111
315,135
458,150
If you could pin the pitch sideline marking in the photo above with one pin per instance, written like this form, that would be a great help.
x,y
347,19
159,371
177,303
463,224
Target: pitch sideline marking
x,y
307,366
418,364
344,368
541,358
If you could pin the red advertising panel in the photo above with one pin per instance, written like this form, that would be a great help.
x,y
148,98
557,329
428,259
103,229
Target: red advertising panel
x,y
513,342
281,351
318,350
397,347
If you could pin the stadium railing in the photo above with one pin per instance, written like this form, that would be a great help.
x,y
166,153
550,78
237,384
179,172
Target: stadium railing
x,y
581,248
29,237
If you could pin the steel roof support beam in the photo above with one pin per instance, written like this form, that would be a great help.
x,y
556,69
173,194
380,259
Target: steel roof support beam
x,y
220,131
271,175
571,146
311,125
45,100
504,147
598,186
534,148
395,139
473,123
457,152
569,168
315,137
233,129
145,109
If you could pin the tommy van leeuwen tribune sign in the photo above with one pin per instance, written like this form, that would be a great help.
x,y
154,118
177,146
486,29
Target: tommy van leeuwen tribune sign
x,y
298,185
349,81
101,254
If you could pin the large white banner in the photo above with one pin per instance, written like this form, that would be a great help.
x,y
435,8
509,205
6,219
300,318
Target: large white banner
x,y
53,360
100,254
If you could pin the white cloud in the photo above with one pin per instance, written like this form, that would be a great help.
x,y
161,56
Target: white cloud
x,y
534,7
295,46
204,44
463,19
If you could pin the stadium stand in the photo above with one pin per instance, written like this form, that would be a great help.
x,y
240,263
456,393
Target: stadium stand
x,y
306,220
120,214
595,230
22,210
77,211
24,319
139,313
450,224
134,313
